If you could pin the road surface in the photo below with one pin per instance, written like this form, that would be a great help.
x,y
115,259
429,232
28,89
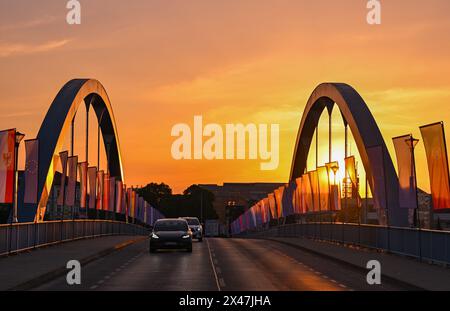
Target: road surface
x,y
218,264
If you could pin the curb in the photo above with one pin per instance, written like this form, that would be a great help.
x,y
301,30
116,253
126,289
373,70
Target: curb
x,y
391,279
50,276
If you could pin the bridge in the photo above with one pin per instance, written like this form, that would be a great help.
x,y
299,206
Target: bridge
x,y
290,240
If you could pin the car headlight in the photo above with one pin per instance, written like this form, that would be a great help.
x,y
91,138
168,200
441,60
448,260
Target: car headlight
x,y
186,236
154,236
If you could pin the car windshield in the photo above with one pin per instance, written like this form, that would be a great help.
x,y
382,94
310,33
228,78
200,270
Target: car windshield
x,y
171,225
193,221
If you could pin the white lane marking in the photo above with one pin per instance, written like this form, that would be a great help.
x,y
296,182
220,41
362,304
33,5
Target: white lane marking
x,y
100,282
334,281
213,267
93,286
342,285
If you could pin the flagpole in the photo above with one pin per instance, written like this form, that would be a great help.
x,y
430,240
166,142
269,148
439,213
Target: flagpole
x,y
412,144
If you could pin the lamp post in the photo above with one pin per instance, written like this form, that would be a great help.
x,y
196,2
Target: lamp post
x,y
412,143
334,168
18,138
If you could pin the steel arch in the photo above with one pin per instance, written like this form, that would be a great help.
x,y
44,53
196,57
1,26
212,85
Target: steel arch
x,y
365,132
57,124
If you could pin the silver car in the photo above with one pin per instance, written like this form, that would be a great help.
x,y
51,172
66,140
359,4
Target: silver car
x,y
196,227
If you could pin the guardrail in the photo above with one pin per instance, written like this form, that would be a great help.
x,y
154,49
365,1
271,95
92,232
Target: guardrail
x,y
24,236
431,245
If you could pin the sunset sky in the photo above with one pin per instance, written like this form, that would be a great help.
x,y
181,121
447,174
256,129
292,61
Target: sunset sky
x,y
233,61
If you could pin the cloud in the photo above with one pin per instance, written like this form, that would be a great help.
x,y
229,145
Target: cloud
x,y
47,20
11,49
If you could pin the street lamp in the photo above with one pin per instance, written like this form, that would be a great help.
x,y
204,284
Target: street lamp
x,y
334,168
412,143
19,137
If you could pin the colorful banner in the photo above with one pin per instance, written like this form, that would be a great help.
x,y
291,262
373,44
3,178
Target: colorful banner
x,y
288,194
314,181
436,150
307,194
375,155
72,165
100,187
298,197
123,210
406,172
112,193
7,160
350,168
129,195
82,169
119,195
272,205
278,199
133,204
335,189
92,174
31,171
63,156
106,188
324,188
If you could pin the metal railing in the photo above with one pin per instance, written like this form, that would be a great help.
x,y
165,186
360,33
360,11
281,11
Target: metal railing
x,y
431,245
24,236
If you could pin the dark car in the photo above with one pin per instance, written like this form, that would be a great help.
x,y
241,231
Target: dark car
x,y
171,234
196,227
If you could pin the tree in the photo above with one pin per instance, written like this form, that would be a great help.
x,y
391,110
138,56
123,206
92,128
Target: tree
x,y
153,193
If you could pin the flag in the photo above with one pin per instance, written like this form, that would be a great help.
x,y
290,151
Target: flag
x,y
406,172
92,174
31,171
124,200
288,194
375,155
436,150
7,165
133,204
307,194
272,205
298,196
100,187
324,188
71,180
129,195
112,193
278,199
106,188
119,192
63,156
82,169
335,189
314,181
350,168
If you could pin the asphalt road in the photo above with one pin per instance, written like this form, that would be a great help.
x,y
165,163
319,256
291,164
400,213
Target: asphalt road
x,y
218,264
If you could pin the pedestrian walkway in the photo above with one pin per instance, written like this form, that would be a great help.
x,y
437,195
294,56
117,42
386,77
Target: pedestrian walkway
x,y
25,270
410,271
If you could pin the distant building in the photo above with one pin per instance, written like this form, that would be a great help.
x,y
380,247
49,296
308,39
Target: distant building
x,y
238,195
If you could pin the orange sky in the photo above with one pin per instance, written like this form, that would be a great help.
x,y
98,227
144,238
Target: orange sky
x,y
162,62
